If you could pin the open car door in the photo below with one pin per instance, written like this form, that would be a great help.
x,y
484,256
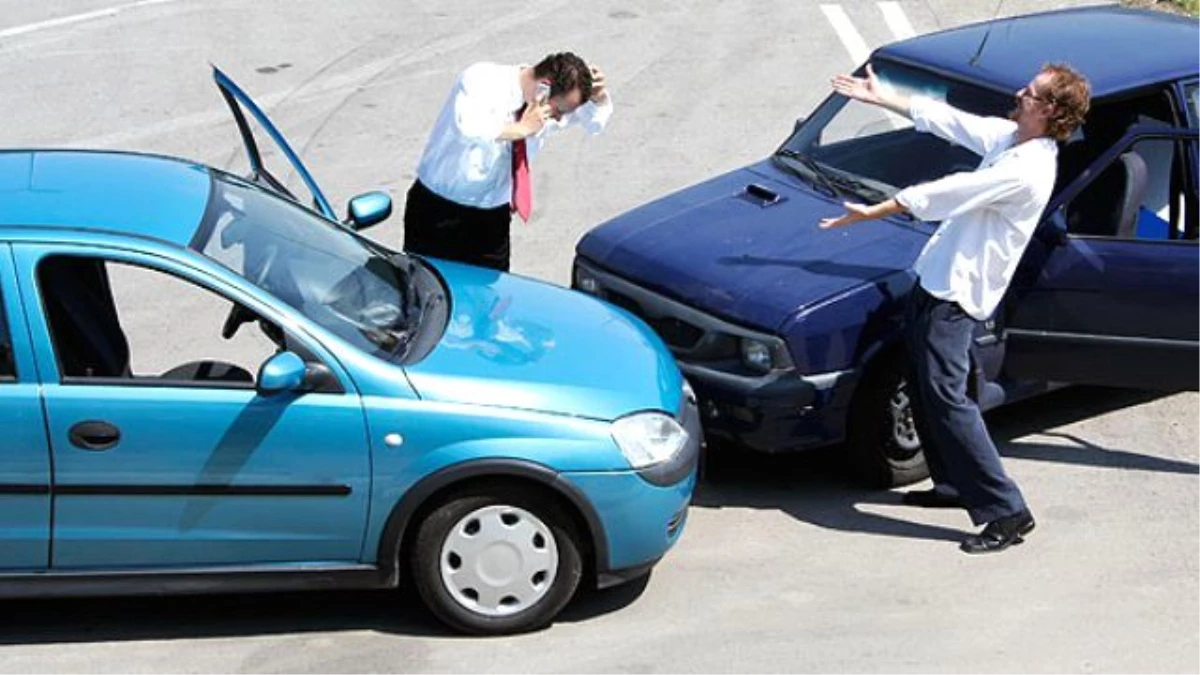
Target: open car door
x,y
1112,296
240,104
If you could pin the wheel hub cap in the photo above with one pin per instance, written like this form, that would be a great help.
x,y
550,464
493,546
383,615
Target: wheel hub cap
x,y
499,560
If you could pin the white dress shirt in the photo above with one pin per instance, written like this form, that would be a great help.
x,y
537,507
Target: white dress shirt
x,y
988,215
463,160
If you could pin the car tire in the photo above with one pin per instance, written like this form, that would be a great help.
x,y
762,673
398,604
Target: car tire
x,y
884,447
496,561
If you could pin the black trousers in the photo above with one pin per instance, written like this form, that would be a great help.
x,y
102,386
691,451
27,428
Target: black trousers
x,y
962,458
437,227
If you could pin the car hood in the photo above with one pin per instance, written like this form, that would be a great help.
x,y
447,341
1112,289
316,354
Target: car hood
x,y
518,343
717,248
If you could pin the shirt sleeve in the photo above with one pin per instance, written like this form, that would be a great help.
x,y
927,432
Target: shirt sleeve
x,y
592,117
977,134
475,112
996,187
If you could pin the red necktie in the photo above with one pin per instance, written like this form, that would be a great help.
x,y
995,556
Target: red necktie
x,y
522,195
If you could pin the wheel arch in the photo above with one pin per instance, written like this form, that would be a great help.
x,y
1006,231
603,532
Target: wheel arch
x,y
417,501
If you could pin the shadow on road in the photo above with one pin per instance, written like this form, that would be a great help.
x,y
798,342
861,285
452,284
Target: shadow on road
x,y
65,621
814,487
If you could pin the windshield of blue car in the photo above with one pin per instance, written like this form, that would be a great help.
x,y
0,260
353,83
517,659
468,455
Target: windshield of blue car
x,y
864,151
339,280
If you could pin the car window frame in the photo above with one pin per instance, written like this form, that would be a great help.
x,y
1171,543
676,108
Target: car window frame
x,y
196,277
1136,133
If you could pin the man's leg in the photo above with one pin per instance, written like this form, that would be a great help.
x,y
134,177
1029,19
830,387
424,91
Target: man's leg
x,y
916,337
494,239
439,228
971,462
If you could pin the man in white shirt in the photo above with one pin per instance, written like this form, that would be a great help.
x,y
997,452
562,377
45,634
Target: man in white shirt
x,y
987,218
475,169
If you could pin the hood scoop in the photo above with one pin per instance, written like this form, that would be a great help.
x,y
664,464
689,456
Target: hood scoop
x,y
761,196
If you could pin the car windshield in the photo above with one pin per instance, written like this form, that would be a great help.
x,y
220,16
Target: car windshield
x,y
862,150
337,279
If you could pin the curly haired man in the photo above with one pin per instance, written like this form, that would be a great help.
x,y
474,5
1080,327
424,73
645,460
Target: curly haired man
x,y
987,218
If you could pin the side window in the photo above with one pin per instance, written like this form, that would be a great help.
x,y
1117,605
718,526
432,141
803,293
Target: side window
x,y
1192,94
115,320
8,369
1139,195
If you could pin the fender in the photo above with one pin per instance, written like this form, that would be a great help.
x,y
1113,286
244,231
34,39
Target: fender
x,y
397,524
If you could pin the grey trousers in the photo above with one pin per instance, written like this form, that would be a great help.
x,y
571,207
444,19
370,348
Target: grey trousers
x,y
962,458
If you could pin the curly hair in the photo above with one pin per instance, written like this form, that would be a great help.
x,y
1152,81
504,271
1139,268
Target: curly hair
x,y
565,71
1070,94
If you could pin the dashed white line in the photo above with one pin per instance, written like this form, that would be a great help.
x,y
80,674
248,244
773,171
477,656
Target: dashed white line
x,y
896,20
847,33
76,18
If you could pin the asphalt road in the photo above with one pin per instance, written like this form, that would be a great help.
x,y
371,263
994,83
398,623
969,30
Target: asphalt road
x,y
783,567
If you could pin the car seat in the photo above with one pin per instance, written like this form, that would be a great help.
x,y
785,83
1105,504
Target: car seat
x,y
83,318
1108,207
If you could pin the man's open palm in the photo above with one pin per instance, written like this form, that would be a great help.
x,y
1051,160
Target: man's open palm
x,y
866,89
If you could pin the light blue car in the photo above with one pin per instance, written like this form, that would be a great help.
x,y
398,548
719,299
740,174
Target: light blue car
x,y
494,439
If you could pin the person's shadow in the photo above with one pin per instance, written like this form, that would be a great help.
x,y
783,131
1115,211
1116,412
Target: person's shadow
x,y
815,487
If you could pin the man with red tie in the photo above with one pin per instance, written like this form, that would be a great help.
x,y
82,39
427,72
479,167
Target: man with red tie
x,y
475,169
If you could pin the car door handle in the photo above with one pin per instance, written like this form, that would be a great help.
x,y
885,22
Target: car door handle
x,y
94,435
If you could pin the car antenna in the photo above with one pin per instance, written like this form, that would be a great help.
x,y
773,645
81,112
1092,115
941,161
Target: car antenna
x,y
986,34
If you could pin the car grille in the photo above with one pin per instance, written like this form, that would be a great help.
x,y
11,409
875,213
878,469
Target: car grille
x,y
676,522
677,333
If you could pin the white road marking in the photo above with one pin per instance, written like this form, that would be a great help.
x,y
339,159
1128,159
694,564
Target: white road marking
x,y
76,18
896,20
847,33
857,47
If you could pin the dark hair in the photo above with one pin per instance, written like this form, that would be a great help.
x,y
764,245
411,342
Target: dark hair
x,y
1070,94
565,71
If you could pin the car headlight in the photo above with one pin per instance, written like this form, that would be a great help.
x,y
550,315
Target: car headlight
x,y
756,354
586,282
649,438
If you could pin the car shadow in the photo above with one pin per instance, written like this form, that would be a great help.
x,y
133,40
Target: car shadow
x,y
92,620
814,486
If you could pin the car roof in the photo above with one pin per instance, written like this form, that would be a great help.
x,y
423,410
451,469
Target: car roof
x,y
116,192
1118,49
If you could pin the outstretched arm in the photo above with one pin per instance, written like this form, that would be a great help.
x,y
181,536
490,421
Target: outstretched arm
x,y
869,90
860,212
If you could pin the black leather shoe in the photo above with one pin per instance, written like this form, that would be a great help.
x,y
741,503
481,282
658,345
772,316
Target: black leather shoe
x,y
1000,534
932,499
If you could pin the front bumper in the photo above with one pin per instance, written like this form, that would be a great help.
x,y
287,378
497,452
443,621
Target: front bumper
x,y
782,411
642,512
779,411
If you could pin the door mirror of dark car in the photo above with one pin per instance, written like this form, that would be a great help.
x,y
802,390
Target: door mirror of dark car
x,y
284,371
799,123
368,209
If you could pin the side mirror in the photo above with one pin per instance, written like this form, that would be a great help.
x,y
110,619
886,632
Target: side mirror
x,y
368,209
799,123
284,371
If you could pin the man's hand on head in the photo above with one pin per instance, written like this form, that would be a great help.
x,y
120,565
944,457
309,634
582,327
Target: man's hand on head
x,y
599,93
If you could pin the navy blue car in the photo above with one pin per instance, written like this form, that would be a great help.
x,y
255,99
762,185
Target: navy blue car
x,y
791,335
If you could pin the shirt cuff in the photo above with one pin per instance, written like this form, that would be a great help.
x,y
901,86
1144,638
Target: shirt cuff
x,y
594,116
912,199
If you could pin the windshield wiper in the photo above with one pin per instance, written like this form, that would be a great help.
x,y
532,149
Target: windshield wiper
x,y
818,174
836,182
